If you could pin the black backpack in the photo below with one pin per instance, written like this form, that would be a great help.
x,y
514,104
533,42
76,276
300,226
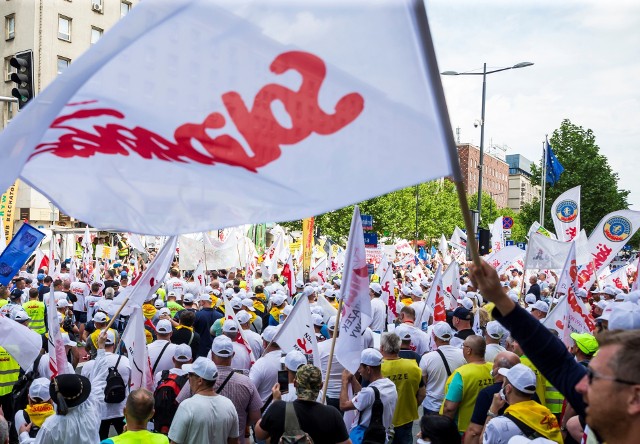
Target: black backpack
x,y
20,390
116,390
376,432
33,431
165,402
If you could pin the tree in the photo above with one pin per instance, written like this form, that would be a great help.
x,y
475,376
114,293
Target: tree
x,y
576,149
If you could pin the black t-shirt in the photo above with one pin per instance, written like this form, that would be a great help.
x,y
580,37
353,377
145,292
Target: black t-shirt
x,y
323,423
410,354
535,290
110,283
464,334
183,335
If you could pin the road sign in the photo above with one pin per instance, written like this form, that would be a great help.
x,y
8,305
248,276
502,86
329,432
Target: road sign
x,y
522,245
367,221
507,222
370,239
508,243
507,233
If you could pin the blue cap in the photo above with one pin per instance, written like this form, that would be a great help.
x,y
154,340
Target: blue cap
x,y
123,274
41,276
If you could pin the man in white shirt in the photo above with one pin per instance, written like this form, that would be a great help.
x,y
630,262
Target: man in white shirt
x,y
161,350
182,355
434,370
175,284
111,414
335,377
80,290
493,334
378,309
92,299
419,339
264,373
253,338
241,358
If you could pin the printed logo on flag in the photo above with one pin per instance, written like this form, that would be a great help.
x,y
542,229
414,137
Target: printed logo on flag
x,y
567,211
617,229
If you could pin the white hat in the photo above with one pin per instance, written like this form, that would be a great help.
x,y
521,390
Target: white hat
x,y
601,305
472,295
159,303
188,298
314,284
100,317
464,287
230,326
521,377
417,292
164,326
67,340
329,294
62,303
495,330
243,317
236,303
375,287
204,368
228,292
172,294
299,284
620,297
331,323
309,290
269,333
337,282
610,291
633,296
519,439
371,357
222,346
182,353
20,315
248,305
278,299
403,332
40,389
204,297
625,316
425,282
327,286
294,360
242,294
111,338
443,331
530,298
286,311
208,289
467,303
606,313
164,311
317,310
215,291
513,295
318,321
581,293
541,306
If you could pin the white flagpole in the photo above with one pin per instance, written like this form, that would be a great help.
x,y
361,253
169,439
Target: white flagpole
x,y
543,179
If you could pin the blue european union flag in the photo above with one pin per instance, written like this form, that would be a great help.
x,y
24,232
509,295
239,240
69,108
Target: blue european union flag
x,y
554,167
23,244
422,253
434,251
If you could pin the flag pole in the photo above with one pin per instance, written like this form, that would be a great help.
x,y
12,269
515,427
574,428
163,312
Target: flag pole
x,y
333,346
431,68
543,180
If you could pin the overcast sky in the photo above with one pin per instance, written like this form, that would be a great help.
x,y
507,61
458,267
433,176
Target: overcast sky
x,y
587,69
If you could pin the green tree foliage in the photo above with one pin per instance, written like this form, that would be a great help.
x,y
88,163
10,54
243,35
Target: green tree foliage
x,y
576,149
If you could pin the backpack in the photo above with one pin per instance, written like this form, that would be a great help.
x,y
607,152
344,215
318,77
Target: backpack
x,y
164,400
20,390
116,390
376,432
292,432
33,431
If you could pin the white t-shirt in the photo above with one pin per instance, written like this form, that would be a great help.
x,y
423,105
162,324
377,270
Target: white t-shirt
x,y
255,342
492,351
433,368
419,340
81,291
378,315
363,401
264,373
57,295
500,430
90,302
166,360
241,359
108,411
335,377
177,285
204,419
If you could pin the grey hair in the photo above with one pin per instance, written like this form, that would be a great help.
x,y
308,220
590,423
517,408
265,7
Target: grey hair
x,y
109,292
390,343
4,430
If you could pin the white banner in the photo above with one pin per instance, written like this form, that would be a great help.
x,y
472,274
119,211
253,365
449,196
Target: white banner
x,y
294,95
617,278
356,308
22,343
500,260
497,235
546,253
319,271
135,342
443,248
435,302
565,213
607,239
459,239
299,334
451,284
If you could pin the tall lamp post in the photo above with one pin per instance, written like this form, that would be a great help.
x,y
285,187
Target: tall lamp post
x,y
484,94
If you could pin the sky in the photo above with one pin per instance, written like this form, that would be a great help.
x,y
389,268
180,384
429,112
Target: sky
x,y
586,57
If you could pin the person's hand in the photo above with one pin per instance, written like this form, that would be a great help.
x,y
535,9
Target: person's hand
x,y
496,404
346,376
275,391
102,339
25,428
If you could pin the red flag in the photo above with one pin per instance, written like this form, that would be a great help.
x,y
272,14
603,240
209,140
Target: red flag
x,y
288,273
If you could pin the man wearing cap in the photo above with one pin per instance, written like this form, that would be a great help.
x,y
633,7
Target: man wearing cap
x,y
188,301
184,334
434,370
161,351
111,413
181,356
541,385
464,384
205,317
100,320
539,310
175,284
419,339
378,308
172,305
321,422
39,408
493,334
523,416
256,321
219,424
241,358
371,372
291,362
253,338
264,373
462,323
407,377
278,302
584,347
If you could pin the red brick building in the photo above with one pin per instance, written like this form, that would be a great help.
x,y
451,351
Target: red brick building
x,y
495,178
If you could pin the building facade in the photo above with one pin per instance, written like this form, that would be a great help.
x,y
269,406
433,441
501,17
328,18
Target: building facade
x,y
521,190
495,177
57,32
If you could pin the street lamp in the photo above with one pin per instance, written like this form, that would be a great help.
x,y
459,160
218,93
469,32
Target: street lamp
x,y
484,93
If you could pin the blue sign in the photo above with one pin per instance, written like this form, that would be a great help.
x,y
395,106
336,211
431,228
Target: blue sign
x,y
507,222
371,239
367,221
522,245
23,244
508,243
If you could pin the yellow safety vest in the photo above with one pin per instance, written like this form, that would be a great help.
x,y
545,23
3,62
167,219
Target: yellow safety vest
x,y
9,372
406,375
475,377
541,381
554,399
123,250
35,310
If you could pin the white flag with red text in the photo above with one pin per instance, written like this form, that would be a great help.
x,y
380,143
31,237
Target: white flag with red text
x,y
451,284
297,332
501,259
435,301
565,213
230,314
356,307
617,278
459,239
135,341
319,270
275,94
497,235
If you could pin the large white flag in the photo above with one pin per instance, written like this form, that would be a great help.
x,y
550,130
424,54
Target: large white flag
x,y
443,248
135,341
297,332
501,259
319,270
275,94
451,284
57,354
22,343
458,239
356,308
565,213
617,278
497,235
570,315
546,253
435,302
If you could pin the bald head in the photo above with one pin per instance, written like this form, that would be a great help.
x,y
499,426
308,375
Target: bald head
x,y
139,408
506,359
476,345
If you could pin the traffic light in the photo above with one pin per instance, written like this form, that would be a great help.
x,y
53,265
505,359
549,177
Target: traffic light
x,y
484,241
23,77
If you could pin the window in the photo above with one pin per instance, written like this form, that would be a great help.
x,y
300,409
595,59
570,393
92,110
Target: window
x,y
96,33
10,27
63,63
125,7
64,28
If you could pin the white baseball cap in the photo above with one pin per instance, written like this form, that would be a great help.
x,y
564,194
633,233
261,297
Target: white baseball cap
x,y
230,326
581,293
371,357
269,333
236,303
20,315
222,346
530,298
164,311
40,389
417,292
287,310
495,330
625,316
204,297
67,340
248,305
164,326
100,317
521,377
442,331
182,353
331,323
278,299
62,303
610,291
308,291
159,303
188,297
403,332
111,338
299,284
541,306
294,360
513,295
317,319
467,303
204,368
243,317
375,287
172,294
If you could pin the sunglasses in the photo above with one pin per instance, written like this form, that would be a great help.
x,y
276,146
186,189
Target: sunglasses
x,y
591,375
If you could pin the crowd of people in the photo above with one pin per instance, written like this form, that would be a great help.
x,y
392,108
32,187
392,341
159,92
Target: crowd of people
x,y
493,372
